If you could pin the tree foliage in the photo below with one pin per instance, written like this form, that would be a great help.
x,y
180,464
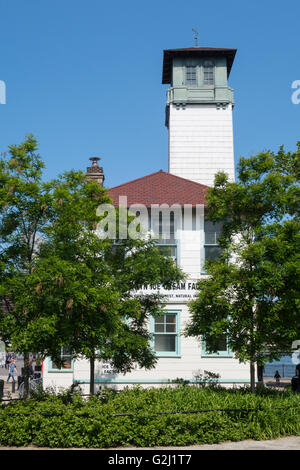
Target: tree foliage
x,y
65,286
252,292
25,209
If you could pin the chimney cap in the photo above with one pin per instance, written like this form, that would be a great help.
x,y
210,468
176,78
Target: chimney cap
x,y
94,160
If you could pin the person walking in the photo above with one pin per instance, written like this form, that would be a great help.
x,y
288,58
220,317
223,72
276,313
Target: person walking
x,y
12,368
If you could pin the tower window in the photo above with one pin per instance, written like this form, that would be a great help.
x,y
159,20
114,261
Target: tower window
x,y
191,77
209,73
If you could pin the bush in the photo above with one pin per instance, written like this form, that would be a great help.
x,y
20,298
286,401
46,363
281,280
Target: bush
x,y
136,417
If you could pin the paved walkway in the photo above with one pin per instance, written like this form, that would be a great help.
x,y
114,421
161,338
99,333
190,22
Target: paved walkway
x,y
284,443
8,386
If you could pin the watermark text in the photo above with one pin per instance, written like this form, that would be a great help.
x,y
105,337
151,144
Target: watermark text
x,y
296,94
2,92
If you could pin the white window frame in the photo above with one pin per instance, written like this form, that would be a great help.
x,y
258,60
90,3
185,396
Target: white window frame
x,y
177,351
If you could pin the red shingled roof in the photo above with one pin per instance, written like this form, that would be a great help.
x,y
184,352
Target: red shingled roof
x,y
160,188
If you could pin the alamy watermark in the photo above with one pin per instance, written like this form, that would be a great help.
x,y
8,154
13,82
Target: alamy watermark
x,y
2,92
159,221
296,94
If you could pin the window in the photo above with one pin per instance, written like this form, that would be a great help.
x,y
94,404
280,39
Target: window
x,y
212,252
165,331
166,225
208,72
222,351
168,248
191,76
166,229
212,233
66,358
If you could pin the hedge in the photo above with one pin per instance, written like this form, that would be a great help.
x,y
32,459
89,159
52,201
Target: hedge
x,y
151,417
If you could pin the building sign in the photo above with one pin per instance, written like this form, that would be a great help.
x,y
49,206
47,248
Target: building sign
x,y
107,368
180,292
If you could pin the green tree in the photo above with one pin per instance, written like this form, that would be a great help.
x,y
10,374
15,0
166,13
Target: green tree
x,y
88,286
25,206
252,292
61,283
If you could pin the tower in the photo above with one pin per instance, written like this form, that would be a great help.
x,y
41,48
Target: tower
x,y
199,112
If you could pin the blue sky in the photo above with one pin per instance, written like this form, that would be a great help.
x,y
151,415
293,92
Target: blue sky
x,y
85,77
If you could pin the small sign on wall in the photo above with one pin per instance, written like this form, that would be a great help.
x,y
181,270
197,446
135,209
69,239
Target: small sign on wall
x,y
181,292
107,368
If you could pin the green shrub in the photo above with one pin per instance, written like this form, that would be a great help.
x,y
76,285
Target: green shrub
x,y
69,420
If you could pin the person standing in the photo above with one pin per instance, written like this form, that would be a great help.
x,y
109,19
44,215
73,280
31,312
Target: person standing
x,y
7,360
297,373
277,377
12,368
30,369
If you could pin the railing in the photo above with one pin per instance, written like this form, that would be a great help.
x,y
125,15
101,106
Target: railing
x,y
211,410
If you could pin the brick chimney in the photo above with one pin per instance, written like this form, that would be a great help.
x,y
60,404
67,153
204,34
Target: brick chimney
x,y
95,172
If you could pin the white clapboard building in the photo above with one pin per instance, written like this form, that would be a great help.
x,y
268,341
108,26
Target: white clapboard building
x,y
199,121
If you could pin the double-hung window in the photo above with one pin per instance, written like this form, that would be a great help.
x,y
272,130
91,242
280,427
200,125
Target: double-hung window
x,y
191,75
165,331
166,241
168,248
208,72
212,232
223,349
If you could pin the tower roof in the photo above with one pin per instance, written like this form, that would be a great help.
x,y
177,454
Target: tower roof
x,y
160,188
169,55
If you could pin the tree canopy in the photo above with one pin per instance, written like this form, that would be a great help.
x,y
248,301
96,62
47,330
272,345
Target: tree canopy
x,y
64,285
251,294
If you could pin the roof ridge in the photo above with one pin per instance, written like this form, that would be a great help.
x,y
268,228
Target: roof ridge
x,y
155,173
137,179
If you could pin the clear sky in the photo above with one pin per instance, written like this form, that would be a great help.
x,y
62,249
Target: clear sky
x,y
85,76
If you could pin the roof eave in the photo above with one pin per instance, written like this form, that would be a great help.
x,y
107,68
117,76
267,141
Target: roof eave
x,y
169,54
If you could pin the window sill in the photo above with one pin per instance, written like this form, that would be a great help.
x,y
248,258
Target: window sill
x,y
222,356
168,355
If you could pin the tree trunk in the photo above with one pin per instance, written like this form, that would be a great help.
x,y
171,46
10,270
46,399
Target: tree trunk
x,y
92,375
26,375
260,377
252,377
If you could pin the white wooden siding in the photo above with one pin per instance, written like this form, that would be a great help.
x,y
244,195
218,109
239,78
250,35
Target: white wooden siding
x,y
201,142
